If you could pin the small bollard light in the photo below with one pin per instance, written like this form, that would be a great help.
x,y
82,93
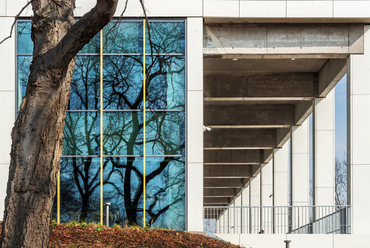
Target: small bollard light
x,y
107,204
287,243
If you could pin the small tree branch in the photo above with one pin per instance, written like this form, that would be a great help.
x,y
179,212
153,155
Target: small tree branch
x,y
15,21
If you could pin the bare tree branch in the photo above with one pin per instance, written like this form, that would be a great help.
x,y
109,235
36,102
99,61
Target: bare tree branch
x,y
15,21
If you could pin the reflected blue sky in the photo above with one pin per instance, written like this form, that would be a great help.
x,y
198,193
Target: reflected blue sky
x,y
341,119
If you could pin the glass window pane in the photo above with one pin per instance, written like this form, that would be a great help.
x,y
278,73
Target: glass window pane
x,y
123,133
80,189
123,188
85,85
166,37
123,37
165,188
165,191
24,63
81,135
25,44
166,89
123,77
165,133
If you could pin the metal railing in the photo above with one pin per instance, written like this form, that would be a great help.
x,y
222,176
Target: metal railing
x,y
277,219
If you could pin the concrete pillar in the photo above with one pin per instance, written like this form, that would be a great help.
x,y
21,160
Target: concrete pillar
x,y
266,197
238,214
300,174
194,167
359,137
324,151
255,203
281,188
245,210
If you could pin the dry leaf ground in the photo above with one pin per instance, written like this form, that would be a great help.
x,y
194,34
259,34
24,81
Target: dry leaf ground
x,y
92,235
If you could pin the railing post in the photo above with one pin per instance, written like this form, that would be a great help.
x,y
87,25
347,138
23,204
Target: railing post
x,y
107,204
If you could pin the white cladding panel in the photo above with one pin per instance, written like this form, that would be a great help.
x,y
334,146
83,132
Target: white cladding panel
x,y
312,8
221,8
249,8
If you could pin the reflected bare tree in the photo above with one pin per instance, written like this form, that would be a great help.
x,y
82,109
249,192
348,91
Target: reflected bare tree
x,y
123,135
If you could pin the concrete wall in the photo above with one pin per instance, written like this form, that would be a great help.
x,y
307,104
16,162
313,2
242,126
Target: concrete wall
x,y
7,104
194,124
286,8
359,136
298,240
223,8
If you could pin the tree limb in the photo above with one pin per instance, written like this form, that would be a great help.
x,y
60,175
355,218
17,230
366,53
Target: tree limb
x,y
15,21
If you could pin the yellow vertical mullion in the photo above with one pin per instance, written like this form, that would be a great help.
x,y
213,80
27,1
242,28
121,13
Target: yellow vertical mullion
x,y
101,126
144,124
58,198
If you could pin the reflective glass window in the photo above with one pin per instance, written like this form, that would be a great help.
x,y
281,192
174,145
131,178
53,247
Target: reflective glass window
x,y
165,191
85,85
166,37
80,189
123,82
166,86
165,133
24,63
123,133
123,37
81,135
25,44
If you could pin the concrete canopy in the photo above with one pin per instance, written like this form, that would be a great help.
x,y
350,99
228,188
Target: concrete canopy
x,y
259,81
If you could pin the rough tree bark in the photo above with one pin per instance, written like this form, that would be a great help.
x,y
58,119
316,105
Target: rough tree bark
x,y
37,134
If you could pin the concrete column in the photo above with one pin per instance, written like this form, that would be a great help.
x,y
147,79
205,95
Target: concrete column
x,y
281,188
266,197
324,151
238,214
194,167
255,203
245,210
359,137
300,173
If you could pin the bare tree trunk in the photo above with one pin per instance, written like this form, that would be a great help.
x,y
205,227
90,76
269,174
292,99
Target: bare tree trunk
x,y
38,130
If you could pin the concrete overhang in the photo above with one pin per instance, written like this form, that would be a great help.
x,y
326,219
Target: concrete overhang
x,y
255,91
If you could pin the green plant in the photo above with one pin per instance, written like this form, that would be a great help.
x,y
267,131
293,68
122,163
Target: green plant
x,y
117,226
72,223
83,224
98,229
53,222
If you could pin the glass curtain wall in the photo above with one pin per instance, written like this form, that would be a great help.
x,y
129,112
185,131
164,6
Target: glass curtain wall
x,y
121,159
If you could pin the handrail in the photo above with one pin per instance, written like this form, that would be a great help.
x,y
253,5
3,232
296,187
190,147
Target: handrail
x,y
277,219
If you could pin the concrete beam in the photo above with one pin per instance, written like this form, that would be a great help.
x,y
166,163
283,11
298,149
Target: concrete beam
x,y
282,85
283,39
267,156
221,139
225,182
226,192
228,171
330,74
216,200
228,157
302,110
271,115
282,136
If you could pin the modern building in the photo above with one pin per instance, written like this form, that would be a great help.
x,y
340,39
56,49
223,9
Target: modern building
x,y
236,132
